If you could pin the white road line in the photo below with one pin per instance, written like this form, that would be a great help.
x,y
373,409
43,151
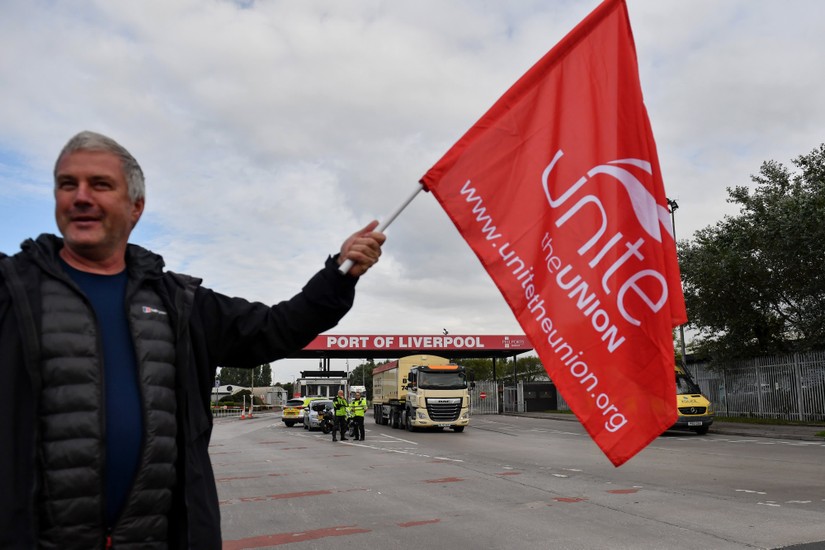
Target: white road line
x,y
399,439
751,491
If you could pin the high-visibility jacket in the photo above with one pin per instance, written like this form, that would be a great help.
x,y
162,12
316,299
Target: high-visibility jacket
x,y
340,405
358,407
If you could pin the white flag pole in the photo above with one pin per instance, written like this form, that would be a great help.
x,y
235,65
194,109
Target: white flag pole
x,y
345,267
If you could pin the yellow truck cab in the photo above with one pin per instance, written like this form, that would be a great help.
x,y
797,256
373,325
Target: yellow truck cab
x,y
695,410
421,391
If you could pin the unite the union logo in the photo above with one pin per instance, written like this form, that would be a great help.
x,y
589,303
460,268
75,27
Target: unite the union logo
x,y
631,267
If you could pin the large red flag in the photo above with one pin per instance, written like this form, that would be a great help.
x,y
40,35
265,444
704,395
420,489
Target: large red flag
x,y
558,191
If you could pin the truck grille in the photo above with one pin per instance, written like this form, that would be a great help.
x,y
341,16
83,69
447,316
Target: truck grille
x,y
692,410
443,410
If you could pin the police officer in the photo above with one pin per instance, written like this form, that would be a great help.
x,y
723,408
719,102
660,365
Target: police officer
x,y
358,408
340,404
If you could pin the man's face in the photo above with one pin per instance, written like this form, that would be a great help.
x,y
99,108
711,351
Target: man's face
x,y
357,395
92,206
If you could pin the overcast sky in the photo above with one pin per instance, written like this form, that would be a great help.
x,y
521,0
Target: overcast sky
x,y
269,131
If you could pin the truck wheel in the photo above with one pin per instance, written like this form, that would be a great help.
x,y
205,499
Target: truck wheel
x,y
458,429
396,420
376,415
408,422
289,424
702,431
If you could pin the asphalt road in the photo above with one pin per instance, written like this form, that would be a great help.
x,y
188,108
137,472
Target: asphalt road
x,y
513,482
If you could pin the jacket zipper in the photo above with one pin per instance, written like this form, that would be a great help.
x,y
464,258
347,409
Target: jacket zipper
x,y
101,397
108,542
129,294
102,417
181,319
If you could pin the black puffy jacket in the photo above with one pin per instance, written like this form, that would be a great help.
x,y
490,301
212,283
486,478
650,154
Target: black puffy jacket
x,y
211,330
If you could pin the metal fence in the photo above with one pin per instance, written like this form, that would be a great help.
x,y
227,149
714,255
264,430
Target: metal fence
x,y
221,412
790,387
513,399
496,399
488,404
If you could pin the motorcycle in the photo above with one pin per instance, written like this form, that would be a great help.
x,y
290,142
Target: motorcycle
x,y
350,428
327,421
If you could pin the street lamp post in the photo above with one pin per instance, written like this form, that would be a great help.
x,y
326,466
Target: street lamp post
x,y
673,207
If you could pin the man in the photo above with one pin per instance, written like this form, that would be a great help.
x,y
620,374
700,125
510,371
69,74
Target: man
x,y
340,404
109,361
358,406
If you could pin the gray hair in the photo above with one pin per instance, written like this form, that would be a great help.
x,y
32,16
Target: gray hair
x,y
92,141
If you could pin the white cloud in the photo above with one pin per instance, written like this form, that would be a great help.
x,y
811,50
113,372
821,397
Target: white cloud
x,y
269,131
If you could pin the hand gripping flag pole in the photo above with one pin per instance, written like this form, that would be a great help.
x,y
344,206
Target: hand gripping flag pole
x,y
345,267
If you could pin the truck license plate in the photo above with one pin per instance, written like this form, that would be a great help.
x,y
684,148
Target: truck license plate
x,y
698,423
443,425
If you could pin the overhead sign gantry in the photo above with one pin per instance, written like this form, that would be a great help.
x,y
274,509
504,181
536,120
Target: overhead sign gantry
x,y
393,346
326,347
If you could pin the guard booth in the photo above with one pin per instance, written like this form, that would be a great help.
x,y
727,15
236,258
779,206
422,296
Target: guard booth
x,y
321,383
540,396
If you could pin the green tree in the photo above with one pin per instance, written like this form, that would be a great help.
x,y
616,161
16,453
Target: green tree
x,y
481,369
260,376
527,369
263,375
362,376
754,283
234,377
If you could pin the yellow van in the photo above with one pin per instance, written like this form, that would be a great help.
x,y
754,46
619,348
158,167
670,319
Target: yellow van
x,y
695,410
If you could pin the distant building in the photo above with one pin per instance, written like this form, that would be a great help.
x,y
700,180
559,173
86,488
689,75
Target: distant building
x,y
219,392
275,396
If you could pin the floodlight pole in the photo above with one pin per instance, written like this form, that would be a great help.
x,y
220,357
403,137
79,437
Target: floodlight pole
x,y
673,207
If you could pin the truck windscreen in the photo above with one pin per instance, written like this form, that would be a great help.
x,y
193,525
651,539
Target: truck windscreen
x,y
685,385
442,380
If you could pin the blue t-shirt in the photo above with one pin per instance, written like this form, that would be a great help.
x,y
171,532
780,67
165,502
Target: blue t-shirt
x,y
124,415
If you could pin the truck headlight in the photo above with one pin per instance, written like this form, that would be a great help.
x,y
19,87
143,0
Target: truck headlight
x,y
422,415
